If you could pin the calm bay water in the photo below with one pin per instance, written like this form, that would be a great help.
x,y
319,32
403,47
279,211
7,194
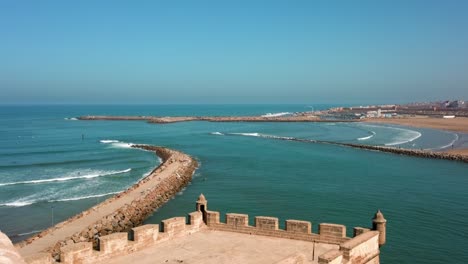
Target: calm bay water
x,y
49,173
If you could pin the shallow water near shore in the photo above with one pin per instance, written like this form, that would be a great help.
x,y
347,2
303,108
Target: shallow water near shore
x,y
49,173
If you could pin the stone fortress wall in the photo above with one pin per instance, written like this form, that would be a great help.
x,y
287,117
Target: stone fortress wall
x,y
363,248
122,243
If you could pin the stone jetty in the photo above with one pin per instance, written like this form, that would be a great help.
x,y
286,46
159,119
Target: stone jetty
x,y
175,119
393,150
121,212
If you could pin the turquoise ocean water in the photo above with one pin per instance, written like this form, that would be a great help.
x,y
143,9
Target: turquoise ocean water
x,y
49,173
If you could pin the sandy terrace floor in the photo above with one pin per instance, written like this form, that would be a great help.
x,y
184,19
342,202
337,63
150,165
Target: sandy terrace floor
x,y
214,247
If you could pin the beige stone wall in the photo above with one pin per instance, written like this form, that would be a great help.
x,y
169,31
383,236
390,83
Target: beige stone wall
x,y
268,226
362,249
119,244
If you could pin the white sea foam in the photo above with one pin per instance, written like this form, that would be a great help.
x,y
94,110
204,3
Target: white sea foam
x,y
262,135
83,197
108,141
449,144
23,202
408,135
217,133
71,118
276,114
116,143
29,233
368,137
181,191
122,145
86,176
415,136
17,203
247,134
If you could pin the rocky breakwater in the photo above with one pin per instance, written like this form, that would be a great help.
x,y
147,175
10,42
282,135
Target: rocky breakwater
x,y
175,119
411,152
116,118
294,118
120,213
393,150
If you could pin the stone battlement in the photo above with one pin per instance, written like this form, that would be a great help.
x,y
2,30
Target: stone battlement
x,y
269,226
122,243
363,248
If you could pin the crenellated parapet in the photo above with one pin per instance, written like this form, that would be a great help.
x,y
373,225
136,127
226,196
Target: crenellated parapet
x,y
269,226
363,248
122,243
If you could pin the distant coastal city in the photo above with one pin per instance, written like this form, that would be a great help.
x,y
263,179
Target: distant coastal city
x,y
445,109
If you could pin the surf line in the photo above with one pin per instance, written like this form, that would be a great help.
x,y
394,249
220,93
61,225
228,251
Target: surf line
x,y
393,150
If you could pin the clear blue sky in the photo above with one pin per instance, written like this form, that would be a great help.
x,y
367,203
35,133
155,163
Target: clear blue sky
x,y
232,51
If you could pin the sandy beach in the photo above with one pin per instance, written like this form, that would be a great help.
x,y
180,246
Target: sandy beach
x,y
458,124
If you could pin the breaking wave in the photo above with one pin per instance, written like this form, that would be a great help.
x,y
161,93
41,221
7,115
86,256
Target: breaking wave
x,y
86,176
407,136
22,202
83,197
264,136
368,137
415,136
116,143
29,233
449,144
71,118
107,141
217,133
276,114
247,134
17,203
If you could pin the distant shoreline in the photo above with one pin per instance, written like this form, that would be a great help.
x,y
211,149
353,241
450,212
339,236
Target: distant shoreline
x,y
458,124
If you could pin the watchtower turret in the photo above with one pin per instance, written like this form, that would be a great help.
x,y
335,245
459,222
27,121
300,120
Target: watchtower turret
x,y
202,206
379,224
